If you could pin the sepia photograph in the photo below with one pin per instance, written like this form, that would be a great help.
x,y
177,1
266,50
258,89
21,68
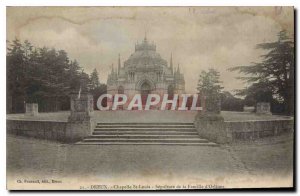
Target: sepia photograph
x,y
150,98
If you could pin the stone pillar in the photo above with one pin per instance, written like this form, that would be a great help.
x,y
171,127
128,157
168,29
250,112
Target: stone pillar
x,y
80,123
263,108
212,104
209,122
32,109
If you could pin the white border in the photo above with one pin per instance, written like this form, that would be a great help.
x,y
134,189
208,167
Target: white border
x,y
5,3
149,3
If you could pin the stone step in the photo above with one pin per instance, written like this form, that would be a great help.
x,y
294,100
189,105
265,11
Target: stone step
x,y
145,126
145,134
141,136
144,129
148,140
175,132
138,123
148,143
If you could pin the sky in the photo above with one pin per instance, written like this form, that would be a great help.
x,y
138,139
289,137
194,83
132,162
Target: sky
x,y
198,37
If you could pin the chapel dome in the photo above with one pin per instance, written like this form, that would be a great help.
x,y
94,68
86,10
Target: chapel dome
x,y
145,55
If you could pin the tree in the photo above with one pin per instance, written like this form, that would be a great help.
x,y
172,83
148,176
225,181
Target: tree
x,y
230,102
41,75
209,82
73,76
275,71
97,92
84,81
209,85
15,70
94,79
260,92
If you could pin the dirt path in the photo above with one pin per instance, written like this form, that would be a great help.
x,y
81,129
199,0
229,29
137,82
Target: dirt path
x,y
225,165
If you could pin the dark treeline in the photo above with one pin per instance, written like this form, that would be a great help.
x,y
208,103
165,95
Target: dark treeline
x,y
269,80
272,79
44,76
210,85
231,103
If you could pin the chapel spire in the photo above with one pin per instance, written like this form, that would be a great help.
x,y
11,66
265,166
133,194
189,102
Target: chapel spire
x,y
171,63
112,68
145,39
119,64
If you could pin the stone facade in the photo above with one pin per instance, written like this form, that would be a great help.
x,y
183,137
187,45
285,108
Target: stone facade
x,y
145,72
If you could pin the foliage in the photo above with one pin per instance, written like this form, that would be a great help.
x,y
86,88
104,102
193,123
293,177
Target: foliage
x,y
97,92
42,75
274,75
209,83
231,103
94,77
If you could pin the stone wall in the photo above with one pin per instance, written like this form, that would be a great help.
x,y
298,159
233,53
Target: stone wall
x,y
49,130
250,130
78,126
214,128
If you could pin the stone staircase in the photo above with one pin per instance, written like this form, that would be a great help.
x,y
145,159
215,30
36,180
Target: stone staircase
x,y
145,134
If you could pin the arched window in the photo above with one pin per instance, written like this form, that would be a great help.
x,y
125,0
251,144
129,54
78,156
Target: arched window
x,y
145,90
131,76
170,95
170,91
120,91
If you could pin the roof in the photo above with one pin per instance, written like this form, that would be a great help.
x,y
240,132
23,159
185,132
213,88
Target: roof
x,y
145,55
